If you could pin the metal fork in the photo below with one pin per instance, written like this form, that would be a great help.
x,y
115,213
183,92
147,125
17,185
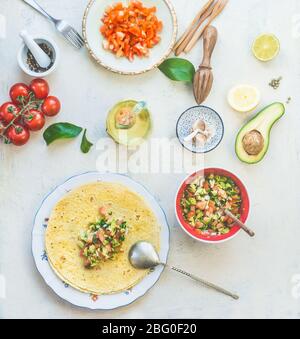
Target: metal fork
x,y
68,32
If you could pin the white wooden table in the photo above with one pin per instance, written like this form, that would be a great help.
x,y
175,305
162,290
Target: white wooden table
x,y
261,269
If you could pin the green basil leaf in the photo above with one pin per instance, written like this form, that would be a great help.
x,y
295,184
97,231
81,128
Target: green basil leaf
x,y
61,130
178,69
85,144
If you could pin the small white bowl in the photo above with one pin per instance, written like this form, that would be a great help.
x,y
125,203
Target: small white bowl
x,y
22,57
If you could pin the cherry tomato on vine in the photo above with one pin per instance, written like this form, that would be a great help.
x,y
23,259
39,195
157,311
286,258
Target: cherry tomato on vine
x,y
19,93
40,88
9,111
18,135
34,120
51,106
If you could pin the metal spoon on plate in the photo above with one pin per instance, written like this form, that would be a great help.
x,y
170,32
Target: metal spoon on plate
x,y
143,255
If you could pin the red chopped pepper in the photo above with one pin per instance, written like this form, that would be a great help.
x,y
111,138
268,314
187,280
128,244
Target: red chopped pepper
x,y
131,30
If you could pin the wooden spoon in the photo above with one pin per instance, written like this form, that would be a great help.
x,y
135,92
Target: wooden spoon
x,y
194,22
203,79
188,35
217,10
238,221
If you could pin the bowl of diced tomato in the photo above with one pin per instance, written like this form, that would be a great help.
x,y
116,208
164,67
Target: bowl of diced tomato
x,y
201,202
130,37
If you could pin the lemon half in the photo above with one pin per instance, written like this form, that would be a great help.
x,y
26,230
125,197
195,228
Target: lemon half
x,y
266,47
244,98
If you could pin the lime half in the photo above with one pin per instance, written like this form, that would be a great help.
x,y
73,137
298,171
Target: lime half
x,y
266,47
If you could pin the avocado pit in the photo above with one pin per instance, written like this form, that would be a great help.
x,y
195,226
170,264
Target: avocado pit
x,y
253,142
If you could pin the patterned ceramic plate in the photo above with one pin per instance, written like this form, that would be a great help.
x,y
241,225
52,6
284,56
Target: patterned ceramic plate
x,y
94,40
212,120
70,294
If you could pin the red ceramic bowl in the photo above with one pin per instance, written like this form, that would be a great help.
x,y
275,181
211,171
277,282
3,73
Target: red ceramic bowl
x,y
244,211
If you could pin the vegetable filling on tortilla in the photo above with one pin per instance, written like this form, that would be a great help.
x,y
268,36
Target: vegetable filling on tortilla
x,y
102,240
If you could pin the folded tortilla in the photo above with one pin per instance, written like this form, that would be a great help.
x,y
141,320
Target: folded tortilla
x,y
74,213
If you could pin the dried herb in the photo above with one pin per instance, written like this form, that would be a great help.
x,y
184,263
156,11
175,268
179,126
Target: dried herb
x,y
275,83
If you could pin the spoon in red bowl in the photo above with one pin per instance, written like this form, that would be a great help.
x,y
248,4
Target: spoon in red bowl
x,y
143,255
238,221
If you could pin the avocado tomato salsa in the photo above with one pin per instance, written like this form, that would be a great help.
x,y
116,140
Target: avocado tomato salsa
x,y
204,201
102,240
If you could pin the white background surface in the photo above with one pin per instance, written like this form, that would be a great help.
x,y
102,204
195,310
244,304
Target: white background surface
x,y
259,269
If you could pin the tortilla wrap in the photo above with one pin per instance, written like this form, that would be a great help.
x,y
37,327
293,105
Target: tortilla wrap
x,y
74,213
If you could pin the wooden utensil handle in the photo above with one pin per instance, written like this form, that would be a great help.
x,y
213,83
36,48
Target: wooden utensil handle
x,y
194,22
242,225
210,37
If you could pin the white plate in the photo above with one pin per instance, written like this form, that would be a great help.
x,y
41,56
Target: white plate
x,y
105,302
94,39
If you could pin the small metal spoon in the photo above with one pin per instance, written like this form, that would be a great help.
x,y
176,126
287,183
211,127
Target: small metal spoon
x,y
143,255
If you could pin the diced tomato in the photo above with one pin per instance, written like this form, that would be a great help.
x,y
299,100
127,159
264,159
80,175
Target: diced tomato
x,y
100,235
199,224
206,185
210,211
102,211
212,204
201,205
235,211
191,214
130,30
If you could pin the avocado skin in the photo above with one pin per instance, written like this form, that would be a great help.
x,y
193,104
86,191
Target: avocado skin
x,y
279,111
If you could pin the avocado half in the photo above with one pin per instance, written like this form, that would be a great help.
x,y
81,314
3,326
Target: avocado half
x,y
253,140
134,134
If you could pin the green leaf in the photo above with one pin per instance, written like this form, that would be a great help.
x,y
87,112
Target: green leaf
x,y
178,69
85,144
61,130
